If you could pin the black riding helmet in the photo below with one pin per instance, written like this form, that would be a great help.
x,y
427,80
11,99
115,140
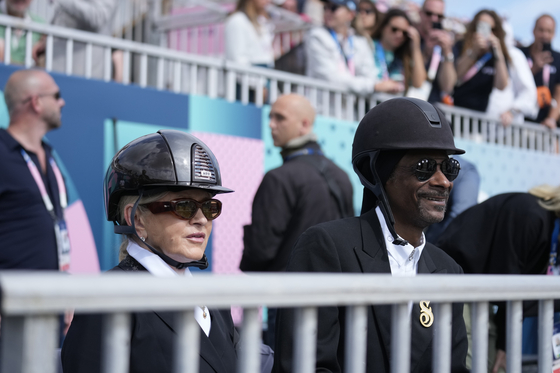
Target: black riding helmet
x,y
166,160
397,125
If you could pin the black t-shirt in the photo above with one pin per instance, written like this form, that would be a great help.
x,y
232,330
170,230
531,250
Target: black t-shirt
x,y
26,227
474,93
554,79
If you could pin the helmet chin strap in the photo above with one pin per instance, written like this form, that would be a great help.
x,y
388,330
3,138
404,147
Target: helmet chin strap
x,y
131,230
379,192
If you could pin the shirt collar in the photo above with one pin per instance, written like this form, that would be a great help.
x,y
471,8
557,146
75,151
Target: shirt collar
x,y
400,253
153,263
12,143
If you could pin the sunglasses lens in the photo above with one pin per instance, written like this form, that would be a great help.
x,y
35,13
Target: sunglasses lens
x,y
186,209
212,209
450,168
425,169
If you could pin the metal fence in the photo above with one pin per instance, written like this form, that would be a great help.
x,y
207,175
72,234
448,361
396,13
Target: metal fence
x,y
164,69
31,303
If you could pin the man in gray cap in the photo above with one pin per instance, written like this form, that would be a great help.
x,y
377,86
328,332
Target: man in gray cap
x,y
401,154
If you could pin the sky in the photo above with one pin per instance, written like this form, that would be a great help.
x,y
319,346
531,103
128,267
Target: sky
x,y
520,13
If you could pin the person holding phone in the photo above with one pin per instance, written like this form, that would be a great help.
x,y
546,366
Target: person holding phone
x,y
481,61
437,51
397,54
545,66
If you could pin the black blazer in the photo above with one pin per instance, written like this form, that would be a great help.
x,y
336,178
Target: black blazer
x,y
356,245
151,342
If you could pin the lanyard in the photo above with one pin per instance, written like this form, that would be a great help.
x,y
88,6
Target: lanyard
x,y
545,72
348,58
554,247
434,63
475,68
41,185
304,151
382,61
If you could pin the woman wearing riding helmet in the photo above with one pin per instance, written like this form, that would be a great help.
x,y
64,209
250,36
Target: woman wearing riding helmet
x,y
159,193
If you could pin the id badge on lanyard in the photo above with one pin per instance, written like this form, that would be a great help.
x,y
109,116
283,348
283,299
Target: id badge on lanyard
x,y
60,228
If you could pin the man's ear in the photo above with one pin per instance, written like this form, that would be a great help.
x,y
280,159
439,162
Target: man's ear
x,y
306,127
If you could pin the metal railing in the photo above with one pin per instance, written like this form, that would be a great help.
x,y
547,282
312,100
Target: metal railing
x,y
179,72
31,303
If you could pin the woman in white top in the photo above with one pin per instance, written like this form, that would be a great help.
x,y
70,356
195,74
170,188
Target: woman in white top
x,y
249,34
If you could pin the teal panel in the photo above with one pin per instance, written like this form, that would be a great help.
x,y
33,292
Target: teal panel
x,y
4,116
226,118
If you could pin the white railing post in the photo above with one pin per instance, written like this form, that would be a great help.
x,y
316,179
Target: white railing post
x,y
8,46
249,361
49,53
143,70
160,83
479,332
546,325
89,62
513,335
107,64
400,338
126,67
116,343
187,343
356,339
29,49
305,340
442,337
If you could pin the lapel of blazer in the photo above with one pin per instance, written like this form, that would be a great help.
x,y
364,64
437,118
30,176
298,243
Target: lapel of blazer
x,y
421,337
373,258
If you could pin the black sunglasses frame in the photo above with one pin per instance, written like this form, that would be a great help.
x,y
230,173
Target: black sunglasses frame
x,y
440,17
330,6
171,206
447,167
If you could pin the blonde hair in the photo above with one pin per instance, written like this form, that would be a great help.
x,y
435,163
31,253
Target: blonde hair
x,y
549,195
127,200
248,7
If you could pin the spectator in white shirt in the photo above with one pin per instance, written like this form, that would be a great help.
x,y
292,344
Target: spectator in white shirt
x,y
249,34
336,54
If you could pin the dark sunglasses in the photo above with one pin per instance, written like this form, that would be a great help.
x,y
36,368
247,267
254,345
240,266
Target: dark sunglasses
x,y
330,6
55,95
187,208
440,17
365,11
426,168
396,29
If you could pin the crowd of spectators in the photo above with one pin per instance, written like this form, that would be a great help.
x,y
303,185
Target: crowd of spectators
x,y
365,46
369,47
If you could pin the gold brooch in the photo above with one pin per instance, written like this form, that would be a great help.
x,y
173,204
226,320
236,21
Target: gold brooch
x,y
426,315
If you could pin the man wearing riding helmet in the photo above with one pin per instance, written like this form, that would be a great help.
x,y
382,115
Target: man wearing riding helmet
x,y
159,192
401,154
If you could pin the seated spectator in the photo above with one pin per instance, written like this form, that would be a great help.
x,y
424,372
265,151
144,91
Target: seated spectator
x,y
509,233
481,61
397,54
437,52
365,20
545,66
249,34
18,9
336,54
519,98
86,15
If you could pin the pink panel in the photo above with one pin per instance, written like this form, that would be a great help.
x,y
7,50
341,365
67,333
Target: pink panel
x,y
242,166
83,256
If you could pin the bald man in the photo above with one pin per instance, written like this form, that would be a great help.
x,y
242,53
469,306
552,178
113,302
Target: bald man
x,y
32,191
307,189
545,66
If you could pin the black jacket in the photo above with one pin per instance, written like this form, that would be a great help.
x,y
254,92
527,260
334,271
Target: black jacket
x,y
290,199
151,342
507,234
356,245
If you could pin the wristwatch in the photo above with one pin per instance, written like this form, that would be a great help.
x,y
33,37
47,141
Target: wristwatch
x,y
449,57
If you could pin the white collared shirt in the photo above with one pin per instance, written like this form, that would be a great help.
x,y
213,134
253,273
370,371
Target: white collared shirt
x,y
157,267
402,259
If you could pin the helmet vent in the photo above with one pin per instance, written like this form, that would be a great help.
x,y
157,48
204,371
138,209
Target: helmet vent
x,y
203,166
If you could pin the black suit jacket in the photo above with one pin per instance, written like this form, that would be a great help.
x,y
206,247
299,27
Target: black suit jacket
x,y
151,342
356,245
